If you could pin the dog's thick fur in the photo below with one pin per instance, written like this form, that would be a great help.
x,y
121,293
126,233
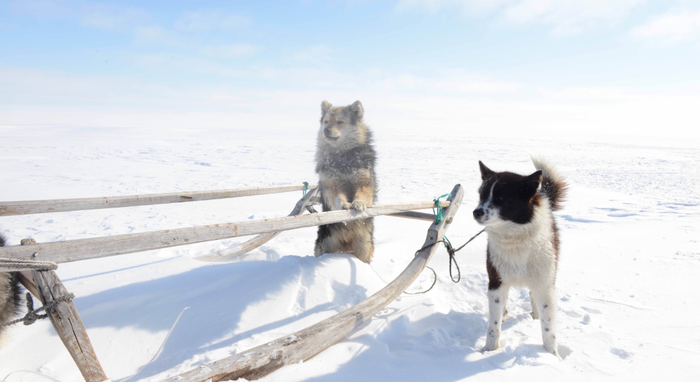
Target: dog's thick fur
x,y
345,162
523,243
9,295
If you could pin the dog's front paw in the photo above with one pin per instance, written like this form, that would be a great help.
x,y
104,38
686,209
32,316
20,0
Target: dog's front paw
x,y
551,347
492,337
359,205
345,205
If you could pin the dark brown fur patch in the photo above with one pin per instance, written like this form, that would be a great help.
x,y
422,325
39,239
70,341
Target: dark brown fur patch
x,y
494,277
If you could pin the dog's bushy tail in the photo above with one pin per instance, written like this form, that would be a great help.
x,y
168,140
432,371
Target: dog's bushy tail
x,y
10,294
553,184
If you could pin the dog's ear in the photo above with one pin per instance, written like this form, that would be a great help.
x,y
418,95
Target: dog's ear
x,y
356,110
531,183
325,105
485,171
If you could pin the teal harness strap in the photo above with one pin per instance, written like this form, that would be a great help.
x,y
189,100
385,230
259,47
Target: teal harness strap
x,y
306,188
437,210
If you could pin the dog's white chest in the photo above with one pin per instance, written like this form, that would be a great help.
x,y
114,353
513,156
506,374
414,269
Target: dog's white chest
x,y
525,261
511,261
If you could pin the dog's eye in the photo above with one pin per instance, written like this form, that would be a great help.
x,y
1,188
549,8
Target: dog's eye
x,y
325,122
340,122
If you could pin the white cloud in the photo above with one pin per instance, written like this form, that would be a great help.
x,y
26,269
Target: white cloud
x,y
157,35
113,18
675,26
467,6
44,9
56,98
459,84
208,21
232,50
564,17
313,55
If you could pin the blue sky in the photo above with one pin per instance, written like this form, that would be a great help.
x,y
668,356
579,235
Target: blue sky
x,y
620,66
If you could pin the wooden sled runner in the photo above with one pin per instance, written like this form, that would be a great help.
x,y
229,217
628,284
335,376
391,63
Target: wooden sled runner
x,y
251,364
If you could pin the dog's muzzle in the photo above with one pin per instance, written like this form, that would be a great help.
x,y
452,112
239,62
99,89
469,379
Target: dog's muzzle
x,y
479,213
328,133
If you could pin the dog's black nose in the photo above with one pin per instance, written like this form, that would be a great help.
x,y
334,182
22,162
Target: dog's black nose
x,y
479,212
326,130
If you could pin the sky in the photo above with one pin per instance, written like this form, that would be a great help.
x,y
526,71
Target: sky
x,y
616,69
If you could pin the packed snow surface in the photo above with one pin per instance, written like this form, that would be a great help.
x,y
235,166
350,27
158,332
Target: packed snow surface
x,y
630,260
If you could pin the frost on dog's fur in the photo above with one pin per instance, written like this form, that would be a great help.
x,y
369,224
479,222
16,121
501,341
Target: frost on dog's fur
x,y
523,243
9,295
345,162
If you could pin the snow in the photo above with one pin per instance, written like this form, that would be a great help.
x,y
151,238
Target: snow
x,y
630,256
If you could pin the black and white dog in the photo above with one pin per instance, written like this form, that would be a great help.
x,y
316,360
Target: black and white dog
x,y
523,243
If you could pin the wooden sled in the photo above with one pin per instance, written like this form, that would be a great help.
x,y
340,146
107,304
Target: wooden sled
x,y
251,364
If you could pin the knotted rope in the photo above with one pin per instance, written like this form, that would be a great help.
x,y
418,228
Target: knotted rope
x,y
437,210
451,251
32,316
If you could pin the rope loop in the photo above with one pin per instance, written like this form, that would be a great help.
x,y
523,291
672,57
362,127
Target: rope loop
x,y
451,252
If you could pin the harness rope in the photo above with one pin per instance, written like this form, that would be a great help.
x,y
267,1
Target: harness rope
x,y
14,265
437,212
451,251
32,316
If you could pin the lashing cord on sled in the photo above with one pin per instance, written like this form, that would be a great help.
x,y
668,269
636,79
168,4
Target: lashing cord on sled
x,y
13,265
32,316
310,206
437,210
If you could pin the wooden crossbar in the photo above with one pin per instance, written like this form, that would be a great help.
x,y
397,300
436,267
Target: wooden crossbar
x,y
83,249
231,253
63,205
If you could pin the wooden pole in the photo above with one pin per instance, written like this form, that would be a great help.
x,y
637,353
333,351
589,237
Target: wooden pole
x,y
46,286
68,325
414,215
62,205
83,249
25,277
304,344
245,247
407,215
